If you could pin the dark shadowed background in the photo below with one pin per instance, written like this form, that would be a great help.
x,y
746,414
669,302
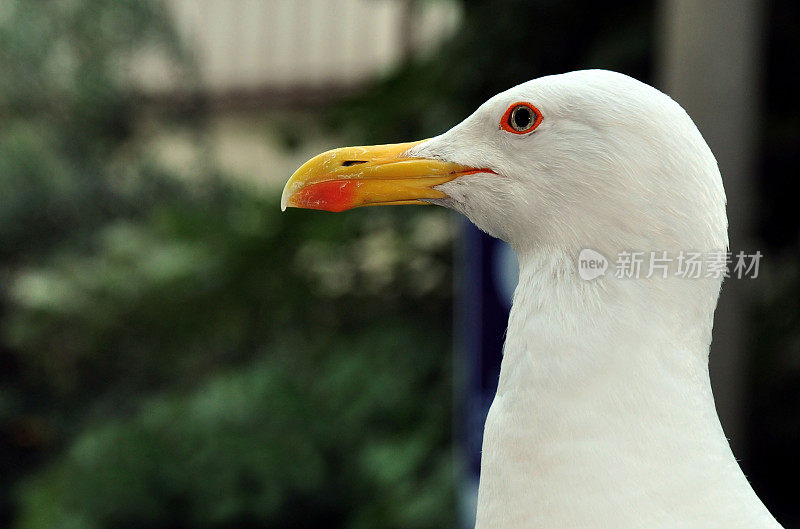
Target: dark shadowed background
x,y
175,352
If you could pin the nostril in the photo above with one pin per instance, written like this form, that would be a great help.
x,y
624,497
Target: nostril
x,y
348,163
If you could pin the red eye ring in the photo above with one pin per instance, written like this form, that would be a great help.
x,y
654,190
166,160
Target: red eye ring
x,y
515,122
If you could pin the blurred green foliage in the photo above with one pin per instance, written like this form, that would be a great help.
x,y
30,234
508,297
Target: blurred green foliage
x,y
67,110
323,382
178,353
310,436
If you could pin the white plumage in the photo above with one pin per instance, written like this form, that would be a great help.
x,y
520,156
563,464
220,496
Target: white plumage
x,y
604,416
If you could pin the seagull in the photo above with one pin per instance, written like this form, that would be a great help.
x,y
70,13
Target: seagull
x,y
604,415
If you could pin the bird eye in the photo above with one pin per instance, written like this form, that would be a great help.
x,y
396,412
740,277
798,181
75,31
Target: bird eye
x,y
521,118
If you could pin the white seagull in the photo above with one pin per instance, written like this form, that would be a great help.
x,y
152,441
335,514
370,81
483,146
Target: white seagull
x,y
604,416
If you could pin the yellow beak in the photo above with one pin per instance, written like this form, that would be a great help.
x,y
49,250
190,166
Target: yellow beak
x,y
352,177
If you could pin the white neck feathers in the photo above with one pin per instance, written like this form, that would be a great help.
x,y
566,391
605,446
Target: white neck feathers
x,y
604,415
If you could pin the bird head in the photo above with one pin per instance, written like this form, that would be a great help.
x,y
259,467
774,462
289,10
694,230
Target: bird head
x,y
583,159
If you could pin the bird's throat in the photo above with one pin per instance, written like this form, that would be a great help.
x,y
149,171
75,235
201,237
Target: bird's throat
x,y
603,418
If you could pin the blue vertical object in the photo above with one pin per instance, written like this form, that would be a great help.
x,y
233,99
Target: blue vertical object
x,y
486,275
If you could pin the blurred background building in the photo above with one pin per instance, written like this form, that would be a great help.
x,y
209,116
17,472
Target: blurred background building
x,y
176,352
256,60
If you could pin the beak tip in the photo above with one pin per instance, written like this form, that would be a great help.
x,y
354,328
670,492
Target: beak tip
x,y
285,196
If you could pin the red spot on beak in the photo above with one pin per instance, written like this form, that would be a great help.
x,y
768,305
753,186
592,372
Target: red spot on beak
x,y
333,195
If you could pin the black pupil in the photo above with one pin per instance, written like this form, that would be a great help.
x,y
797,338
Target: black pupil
x,y
521,118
